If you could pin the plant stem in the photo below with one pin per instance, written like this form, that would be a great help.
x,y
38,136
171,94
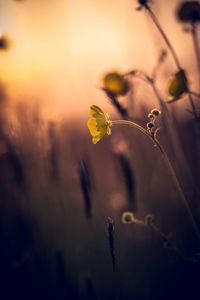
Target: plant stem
x,y
169,166
155,20
132,124
193,106
194,93
164,237
196,48
167,240
139,222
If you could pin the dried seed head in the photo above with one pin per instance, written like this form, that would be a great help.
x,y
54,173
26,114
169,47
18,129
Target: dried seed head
x,y
127,217
149,219
151,116
155,112
150,125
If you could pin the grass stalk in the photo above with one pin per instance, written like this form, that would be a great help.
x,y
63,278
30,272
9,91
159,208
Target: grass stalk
x,y
169,45
193,106
110,230
197,50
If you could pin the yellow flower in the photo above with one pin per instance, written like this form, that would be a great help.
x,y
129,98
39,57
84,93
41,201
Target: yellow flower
x,y
178,84
99,125
116,84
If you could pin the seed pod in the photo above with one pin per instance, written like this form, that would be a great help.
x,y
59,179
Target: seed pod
x,y
151,116
155,112
150,125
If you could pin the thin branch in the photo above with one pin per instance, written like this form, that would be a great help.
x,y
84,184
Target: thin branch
x,y
196,48
155,20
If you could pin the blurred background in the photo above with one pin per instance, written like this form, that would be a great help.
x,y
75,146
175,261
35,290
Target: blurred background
x,y
57,188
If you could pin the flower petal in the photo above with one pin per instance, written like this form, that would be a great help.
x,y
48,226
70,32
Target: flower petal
x,y
101,121
94,109
92,126
97,138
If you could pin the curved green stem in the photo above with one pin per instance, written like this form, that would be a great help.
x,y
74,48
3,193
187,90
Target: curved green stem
x,y
132,124
169,166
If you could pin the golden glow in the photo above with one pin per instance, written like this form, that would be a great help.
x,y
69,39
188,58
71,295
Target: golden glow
x,y
61,49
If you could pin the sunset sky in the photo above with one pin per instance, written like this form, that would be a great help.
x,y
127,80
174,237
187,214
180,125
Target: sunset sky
x,y
60,49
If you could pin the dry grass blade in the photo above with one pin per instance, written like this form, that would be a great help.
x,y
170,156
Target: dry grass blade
x,y
110,229
129,180
89,287
84,179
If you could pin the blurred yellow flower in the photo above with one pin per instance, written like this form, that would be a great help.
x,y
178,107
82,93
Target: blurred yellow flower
x,y
178,84
116,84
99,125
